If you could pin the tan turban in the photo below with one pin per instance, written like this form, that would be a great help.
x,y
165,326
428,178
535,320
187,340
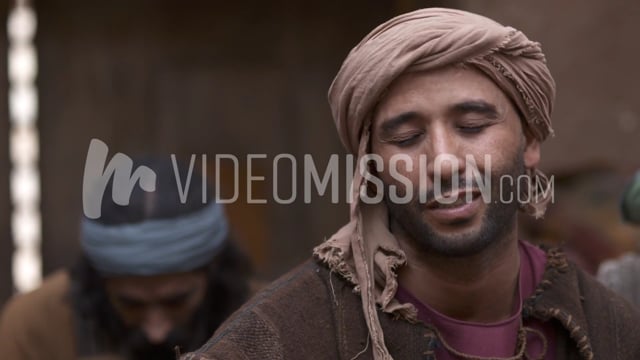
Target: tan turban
x,y
364,251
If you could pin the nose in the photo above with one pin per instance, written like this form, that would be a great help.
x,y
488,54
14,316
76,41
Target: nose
x,y
156,325
443,154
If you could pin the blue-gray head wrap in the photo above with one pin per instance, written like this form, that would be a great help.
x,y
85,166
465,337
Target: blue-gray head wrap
x,y
157,246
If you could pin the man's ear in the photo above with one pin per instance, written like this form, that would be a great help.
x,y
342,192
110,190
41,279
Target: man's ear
x,y
531,152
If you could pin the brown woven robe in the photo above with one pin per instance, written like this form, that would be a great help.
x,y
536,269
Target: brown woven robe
x,y
312,313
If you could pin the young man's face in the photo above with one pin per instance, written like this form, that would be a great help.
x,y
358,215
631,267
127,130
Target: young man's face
x,y
157,309
457,114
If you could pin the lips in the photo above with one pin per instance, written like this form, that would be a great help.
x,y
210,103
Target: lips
x,y
460,197
458,210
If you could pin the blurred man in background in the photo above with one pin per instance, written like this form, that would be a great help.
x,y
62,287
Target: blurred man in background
x,y
154,275
623,275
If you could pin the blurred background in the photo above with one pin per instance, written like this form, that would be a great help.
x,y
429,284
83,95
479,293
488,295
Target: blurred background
x,y
240,77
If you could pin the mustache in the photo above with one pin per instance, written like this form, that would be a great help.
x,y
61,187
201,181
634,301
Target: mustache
x,y
447,187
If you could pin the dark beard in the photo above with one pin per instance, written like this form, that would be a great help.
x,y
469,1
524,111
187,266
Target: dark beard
x,y
498,220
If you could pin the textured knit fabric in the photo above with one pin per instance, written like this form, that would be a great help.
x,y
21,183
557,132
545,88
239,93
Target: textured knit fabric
x,y
313,313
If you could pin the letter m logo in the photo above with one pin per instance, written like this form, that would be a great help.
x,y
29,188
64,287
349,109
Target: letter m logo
x,y
96,177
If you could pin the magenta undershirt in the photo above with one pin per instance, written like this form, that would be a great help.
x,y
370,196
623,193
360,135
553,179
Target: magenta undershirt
x,y
494,339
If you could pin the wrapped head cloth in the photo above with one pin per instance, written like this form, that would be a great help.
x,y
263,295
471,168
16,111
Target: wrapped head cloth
x,y
364,251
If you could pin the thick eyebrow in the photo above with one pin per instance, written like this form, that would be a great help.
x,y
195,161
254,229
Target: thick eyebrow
x,y
389,125
475,106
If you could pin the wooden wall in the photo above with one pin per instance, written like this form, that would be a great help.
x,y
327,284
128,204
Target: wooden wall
x,y
195,77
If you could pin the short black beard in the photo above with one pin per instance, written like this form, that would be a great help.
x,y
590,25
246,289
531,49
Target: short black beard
x,y
499,220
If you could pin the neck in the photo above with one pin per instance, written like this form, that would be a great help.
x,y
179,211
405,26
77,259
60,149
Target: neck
x,y
479,288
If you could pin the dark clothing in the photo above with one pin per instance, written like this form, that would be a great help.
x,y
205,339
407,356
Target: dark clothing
x,y
40,325
312,313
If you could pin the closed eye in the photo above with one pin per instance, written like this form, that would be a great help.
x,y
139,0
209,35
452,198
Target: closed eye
x,y
473,129
405,140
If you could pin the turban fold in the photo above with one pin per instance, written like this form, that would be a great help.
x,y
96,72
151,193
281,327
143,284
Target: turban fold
x,y
364,251
433,38
156,246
